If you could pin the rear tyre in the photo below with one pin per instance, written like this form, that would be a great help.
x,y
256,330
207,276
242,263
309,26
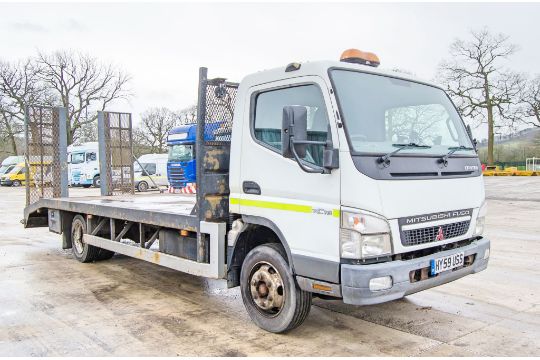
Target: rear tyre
x,y
142,186
97,181
270,294
16,183
82,251
104,254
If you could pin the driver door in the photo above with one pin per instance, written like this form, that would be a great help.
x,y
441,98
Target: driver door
x,y
303,206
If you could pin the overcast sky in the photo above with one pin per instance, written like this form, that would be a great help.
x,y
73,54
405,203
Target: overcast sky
x,y
162,45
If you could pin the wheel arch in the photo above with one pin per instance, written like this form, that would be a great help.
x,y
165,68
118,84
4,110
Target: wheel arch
x,y
256,231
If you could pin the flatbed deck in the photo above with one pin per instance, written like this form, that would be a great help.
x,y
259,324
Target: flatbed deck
x,y
164,210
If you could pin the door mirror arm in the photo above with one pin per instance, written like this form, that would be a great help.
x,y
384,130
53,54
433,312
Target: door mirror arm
x,y
294,133
317,170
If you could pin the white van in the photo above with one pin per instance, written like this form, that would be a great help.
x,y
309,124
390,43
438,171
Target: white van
x,y
9,163
150,171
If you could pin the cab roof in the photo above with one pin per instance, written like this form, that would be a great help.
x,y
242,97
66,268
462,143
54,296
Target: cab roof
x,y
320,68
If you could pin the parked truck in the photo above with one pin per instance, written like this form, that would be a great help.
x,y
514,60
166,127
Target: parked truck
x,y
339,180
83,160
181,160
181,163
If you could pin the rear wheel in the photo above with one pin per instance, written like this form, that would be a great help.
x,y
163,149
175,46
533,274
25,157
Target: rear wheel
x,y
104,254
271,296
16,183
81,250
142,186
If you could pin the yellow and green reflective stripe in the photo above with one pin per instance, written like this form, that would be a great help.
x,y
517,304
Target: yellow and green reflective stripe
x,y
277,206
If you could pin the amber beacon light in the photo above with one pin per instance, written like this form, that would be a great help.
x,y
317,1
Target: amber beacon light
x,y
356,56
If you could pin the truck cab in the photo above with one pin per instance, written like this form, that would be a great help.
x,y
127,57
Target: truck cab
x,y
181,163
181,160
369,177
83,165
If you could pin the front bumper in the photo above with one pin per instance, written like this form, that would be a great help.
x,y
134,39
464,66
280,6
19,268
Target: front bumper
x,y
6,182
355,278
81,182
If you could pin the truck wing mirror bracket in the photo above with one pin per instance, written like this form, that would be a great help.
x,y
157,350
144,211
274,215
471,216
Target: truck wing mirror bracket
x,y
294,141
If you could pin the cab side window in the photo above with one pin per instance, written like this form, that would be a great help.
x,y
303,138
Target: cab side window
x,y
91,156
269,114
150,168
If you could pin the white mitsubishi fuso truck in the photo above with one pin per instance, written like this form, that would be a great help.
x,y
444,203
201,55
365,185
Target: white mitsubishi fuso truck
x,y
331,179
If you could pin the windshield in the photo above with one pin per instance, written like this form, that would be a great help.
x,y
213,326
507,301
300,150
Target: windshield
x,y
380,111
16,170
77,158
181,152
149,167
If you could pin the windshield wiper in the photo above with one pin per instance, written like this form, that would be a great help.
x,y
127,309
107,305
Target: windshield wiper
x,y
444,159
385,160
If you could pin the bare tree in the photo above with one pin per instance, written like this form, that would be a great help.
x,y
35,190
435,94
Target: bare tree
x,y
82,85
19,85
154,128
187,115
481,87
530,100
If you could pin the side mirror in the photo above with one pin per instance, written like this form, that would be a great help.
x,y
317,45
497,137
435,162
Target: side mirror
x,y
331,159
294,129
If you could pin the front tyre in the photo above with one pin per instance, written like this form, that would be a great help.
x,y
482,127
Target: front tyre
x,y
270,294
96,182
142,186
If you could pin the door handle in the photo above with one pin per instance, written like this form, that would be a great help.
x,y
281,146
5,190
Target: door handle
x,y
251,187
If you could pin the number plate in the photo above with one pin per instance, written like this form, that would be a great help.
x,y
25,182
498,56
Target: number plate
x,y
446,263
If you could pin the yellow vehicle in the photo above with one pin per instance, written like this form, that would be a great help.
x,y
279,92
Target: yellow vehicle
x,y
16,177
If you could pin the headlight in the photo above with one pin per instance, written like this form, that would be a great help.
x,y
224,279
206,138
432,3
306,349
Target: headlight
x,y
364,236
480,220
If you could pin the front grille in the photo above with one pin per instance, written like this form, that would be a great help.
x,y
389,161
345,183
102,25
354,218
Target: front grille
x,y
176,173
177,178
429,234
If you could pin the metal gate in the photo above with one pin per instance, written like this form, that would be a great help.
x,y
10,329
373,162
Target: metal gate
x,y
45,153
116,153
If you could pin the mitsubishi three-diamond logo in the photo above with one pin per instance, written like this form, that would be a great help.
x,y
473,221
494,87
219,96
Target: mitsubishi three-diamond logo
x,y
440,234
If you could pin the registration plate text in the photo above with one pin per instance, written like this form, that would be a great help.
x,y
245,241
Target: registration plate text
x,y
446,263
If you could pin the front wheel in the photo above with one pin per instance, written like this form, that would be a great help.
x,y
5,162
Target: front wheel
x,y
269,292
142,186
97,181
